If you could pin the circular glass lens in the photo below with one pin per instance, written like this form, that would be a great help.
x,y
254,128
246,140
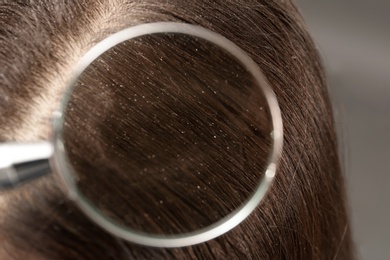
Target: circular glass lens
x,y
166,134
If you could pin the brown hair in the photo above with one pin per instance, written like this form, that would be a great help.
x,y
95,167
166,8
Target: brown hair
x,y
302,217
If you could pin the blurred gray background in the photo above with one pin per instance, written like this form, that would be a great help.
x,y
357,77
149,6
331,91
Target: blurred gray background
x,y
354,40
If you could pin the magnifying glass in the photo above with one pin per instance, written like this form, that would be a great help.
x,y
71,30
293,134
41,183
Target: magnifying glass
x,y
168,135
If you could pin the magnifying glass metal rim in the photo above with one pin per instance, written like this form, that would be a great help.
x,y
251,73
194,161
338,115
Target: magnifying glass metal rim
x,y
59,159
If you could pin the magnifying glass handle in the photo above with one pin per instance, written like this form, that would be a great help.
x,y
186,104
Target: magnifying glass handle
x,y
23,162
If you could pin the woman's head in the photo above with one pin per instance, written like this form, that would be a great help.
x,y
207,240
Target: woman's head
x,y
303,215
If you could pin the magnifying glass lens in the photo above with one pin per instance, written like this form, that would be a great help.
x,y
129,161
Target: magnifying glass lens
x,y
167,134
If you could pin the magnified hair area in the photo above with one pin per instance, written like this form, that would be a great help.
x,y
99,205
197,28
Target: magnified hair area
x,y
167,133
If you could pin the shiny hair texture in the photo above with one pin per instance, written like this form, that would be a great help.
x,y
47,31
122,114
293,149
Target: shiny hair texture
x,y
304,215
